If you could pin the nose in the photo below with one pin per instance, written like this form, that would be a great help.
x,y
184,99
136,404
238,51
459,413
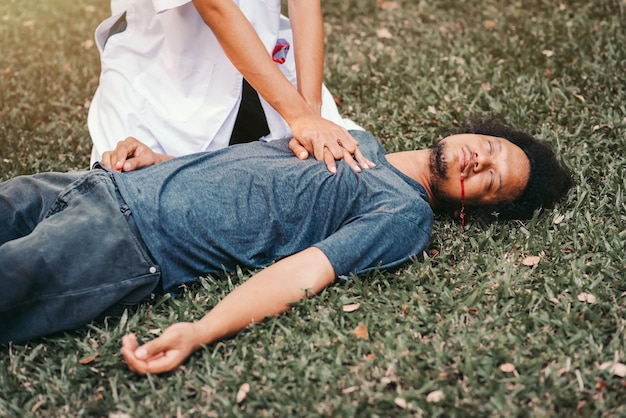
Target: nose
x,y
480,161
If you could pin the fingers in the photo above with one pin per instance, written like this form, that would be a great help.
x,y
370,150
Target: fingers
x,y
362,161
329,160
348,149
129,154
329,143
162,354
299,151
357,162
129,345
347,157
116,159
149,358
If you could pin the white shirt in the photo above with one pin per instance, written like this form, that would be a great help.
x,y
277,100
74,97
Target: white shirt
x,y
166,81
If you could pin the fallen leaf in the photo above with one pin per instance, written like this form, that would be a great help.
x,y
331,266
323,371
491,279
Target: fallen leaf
x,y
243,392
618,369
400,402
351,307
387,5
435,396
532,260
361,331
507,367
489,24
586,297
558,219
384,33
349,390
89,359
547,53
486,86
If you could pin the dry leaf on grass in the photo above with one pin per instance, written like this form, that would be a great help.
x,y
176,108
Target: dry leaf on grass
x,y
618,369
586,297
89,359
531,260
351,307
435,396
384,33
387,5
507,367
243,392
400,402
361,331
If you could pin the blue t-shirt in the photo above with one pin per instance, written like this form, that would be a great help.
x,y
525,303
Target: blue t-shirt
x,y
251,205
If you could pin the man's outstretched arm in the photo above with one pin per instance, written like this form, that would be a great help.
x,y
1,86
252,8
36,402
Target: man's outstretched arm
x,y
267,293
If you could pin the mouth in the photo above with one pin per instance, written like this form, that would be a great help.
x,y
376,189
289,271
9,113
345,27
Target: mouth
x,y
463,160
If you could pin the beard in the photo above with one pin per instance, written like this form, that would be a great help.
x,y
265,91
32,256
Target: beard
x,y
439,173
438,163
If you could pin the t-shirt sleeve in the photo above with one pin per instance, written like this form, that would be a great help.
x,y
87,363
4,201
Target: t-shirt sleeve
x,y
376,240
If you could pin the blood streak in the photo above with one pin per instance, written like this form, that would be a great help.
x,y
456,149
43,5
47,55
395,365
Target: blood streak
x,y
462,200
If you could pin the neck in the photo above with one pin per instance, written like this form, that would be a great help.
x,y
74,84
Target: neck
x,y
415,164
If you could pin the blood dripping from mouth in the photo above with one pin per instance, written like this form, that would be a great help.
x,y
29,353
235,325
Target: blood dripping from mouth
x,y
462,200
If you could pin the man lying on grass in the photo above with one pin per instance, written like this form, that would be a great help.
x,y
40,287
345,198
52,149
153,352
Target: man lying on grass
x,y
76,246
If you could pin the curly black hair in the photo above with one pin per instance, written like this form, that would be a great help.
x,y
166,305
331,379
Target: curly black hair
x,y
549,181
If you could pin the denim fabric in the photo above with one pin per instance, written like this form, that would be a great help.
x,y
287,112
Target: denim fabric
x,y
69,253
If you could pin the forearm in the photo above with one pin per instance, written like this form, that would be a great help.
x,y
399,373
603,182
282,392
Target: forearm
x,y
247,53
308,39
267,293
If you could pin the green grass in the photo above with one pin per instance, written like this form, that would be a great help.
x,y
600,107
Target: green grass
x,y
448,323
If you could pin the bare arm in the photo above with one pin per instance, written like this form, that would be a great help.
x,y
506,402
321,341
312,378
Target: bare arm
x,y
308,39
312,134
267,293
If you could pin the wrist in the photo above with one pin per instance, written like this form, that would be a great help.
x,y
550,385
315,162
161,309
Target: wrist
x,y
316,105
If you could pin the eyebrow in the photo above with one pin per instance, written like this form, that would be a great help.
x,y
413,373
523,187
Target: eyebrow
x,y
499,141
